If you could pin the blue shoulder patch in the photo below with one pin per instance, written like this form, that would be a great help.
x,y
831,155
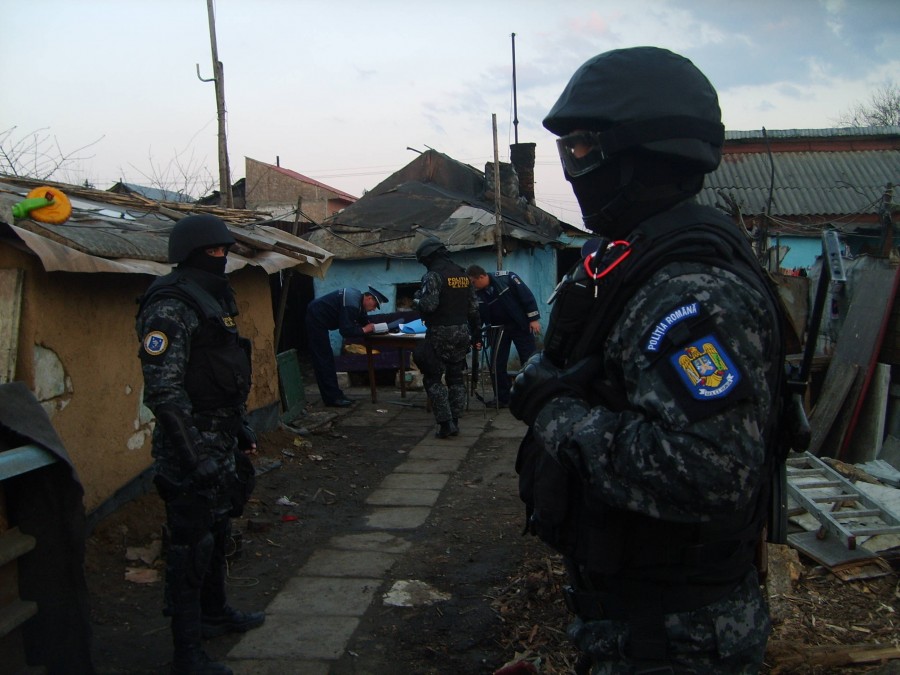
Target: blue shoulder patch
x,y
155,343
706,369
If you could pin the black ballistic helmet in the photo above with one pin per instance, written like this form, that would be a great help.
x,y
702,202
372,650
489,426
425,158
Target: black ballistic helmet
x,y
641,98
197,231
429,247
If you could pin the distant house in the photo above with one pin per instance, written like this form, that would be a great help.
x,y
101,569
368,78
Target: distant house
x,y
374,239
68,311
790,185
238,196
278,191
152,193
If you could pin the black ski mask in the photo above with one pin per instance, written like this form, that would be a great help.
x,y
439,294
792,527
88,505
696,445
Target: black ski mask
x,y
199,259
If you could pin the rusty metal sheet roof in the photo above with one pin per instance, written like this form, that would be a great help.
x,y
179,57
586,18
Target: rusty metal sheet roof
x,y
110,232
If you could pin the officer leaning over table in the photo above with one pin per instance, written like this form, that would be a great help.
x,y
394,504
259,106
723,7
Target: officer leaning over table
x,y
344,310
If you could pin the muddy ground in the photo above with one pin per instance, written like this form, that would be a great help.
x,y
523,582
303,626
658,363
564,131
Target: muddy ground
x,y
505,603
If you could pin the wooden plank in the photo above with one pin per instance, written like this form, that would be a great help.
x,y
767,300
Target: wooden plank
x,y
870,327
11,285
837,385
828,551
865,443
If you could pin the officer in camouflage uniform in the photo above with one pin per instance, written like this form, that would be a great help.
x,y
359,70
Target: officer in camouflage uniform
x,y
447,304
196,380
652,409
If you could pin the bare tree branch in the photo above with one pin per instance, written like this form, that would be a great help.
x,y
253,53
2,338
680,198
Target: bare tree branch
x,y
882,109
37,154
183,174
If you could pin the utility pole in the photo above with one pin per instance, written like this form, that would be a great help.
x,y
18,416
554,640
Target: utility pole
x,y
515,102
227,200
498,227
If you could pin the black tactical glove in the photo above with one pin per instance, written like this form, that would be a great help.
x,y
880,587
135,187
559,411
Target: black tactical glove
x,y
540,380
246,437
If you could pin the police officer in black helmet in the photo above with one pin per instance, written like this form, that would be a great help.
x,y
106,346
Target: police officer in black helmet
x,y
448,307
652,410
196,371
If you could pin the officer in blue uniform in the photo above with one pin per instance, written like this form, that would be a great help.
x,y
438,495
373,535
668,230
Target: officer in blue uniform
x,y
508,307
344,310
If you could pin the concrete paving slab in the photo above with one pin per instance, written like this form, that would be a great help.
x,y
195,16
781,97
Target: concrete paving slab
x,y
397,517
470,429
438,450
371,541
428,466
415,481
337,563
450,441
369,418
293,636
324,596
402,497
279,667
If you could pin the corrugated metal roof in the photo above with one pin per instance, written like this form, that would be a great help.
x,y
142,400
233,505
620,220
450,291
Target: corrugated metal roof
x,y
733,135
805,183
156,194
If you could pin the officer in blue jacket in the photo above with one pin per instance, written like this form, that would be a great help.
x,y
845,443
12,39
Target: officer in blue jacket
x,y
508,306
345,310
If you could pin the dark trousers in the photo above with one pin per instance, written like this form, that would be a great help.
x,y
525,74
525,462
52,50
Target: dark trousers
x,y
322,358
501,338
195,567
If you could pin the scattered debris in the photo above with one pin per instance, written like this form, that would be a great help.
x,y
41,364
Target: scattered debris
x,y
141,575
883,471
303,444
264,465
258,525
285,501
413,594
147,555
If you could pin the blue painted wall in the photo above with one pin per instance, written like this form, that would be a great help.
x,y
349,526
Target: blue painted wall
x,y
537,267
803,251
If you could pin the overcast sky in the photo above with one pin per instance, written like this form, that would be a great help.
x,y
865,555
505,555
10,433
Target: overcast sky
x,y
339,90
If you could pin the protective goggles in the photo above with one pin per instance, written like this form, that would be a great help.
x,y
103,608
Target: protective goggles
x,y
584,151
581,152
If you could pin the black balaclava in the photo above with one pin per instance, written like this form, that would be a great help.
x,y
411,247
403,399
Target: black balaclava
x,y
207,270
629,188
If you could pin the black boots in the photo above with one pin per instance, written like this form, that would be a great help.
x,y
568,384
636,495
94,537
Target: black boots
x,y
447,429
189,658
230,620
194,661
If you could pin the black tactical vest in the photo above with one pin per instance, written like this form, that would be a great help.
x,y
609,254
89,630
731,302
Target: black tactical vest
x,y
218,369
453,307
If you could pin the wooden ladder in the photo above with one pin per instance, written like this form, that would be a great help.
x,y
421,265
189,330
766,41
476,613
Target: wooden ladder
x,y
835,502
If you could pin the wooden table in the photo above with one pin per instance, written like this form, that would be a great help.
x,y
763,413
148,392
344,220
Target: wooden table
x,y
399,341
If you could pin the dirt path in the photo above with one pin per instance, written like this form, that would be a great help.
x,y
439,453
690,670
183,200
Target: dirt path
x,y
503,588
